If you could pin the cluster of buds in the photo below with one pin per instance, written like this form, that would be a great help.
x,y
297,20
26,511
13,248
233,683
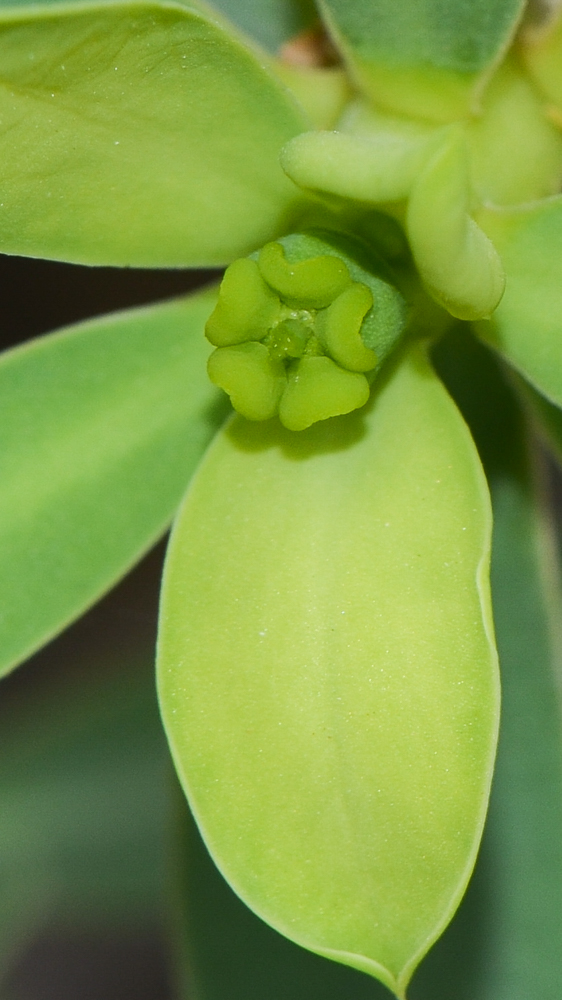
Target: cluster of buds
x,y
302,327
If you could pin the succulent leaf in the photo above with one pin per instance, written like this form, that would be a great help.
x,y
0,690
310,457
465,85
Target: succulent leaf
x,y
139,134
327,673
425,58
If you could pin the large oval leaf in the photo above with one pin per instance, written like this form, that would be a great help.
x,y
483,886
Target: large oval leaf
x,y
327,670
527,325
138,133
423,57
101,426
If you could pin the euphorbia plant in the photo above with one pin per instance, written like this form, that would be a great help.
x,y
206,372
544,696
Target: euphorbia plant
x,y
381,188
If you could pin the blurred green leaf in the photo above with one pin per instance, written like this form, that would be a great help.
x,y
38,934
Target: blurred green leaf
x,y
527,325
423,57
545,416
271,22
386,679
101,426
138,134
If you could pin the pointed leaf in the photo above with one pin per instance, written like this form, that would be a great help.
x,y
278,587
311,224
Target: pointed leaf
x,y
138,133
423,57
225,950
527,325
327,670
101,426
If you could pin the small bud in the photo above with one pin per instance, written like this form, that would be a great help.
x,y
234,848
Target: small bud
x,y
372,169
288,339
297,324
456,260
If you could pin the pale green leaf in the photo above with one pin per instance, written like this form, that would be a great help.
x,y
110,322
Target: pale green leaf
x,y
225,950
327,671
527,325
101,426
423,57
138,133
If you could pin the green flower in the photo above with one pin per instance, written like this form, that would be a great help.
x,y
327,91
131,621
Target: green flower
x,y
294,336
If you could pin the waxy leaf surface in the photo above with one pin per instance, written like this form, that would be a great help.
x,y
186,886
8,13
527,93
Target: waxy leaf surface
x,y
327,670
101,426
527,325
138,133
424,57
225,950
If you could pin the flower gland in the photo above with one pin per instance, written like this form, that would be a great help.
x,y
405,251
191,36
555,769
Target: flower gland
x,y
300,330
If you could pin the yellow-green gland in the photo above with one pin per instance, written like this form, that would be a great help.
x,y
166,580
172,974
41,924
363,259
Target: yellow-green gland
x,y
288,338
